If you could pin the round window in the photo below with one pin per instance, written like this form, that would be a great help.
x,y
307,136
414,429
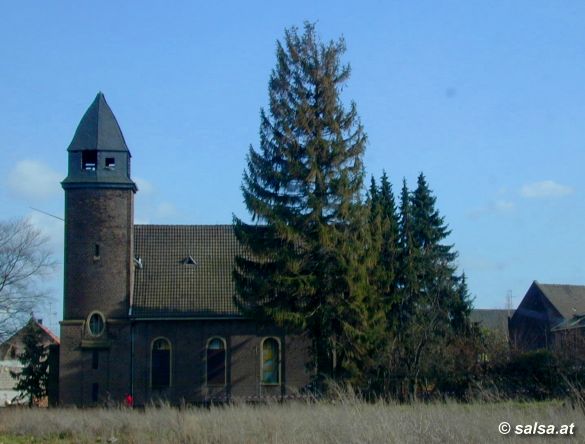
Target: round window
x,y
96,324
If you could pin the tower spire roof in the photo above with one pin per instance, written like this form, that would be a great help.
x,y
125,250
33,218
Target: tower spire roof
x,y
98,129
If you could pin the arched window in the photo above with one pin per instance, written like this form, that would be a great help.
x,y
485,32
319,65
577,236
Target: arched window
x,y
161,363
270,361
216,361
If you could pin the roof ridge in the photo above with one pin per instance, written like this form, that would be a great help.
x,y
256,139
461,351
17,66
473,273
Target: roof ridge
x,y
49,332
558,285
100,97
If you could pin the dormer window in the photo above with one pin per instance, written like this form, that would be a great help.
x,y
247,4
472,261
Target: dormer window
x,y
88,160
110,163
138,262
189,261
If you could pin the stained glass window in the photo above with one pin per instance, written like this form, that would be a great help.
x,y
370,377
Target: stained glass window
x,y
270,361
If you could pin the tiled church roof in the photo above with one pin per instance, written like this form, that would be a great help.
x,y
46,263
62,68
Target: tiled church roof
x,y
184,271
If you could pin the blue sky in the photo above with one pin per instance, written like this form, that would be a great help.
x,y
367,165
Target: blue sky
x,y
485,97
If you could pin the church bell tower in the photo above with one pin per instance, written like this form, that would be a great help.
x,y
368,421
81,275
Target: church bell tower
x,y
98,262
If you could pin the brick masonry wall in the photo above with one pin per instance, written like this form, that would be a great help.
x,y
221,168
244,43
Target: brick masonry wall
x,y
189,340
76,372
102,216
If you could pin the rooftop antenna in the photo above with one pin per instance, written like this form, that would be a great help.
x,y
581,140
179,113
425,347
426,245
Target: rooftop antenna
x,y
52,315
509,305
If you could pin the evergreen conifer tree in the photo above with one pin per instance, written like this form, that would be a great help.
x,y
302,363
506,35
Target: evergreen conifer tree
x,y
408,260
438,270
306,261
434,302
389,249
384,240
383,303
32,379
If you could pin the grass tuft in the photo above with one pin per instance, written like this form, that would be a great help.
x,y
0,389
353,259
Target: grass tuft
x,y
345,419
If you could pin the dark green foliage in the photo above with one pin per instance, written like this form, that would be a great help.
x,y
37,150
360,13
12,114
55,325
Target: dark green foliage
x,y
455,367
440,304
306,267
425,303
460,306
532,374
538,374
373,286
384,234
32,379
438,281
408,259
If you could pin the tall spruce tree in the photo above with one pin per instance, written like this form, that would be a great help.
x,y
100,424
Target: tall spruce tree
x,y
32,379
408,260
384,233
383,303
438,269
389,249
306,266
434,299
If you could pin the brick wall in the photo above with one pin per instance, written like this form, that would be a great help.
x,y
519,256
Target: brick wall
x,y
103,217
189,340
77,374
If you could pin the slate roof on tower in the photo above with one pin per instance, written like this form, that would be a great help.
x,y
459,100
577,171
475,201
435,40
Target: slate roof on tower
x,y
98,129
184,271
98,154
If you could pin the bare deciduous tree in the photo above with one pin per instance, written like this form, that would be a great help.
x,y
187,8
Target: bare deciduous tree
x,y
24,261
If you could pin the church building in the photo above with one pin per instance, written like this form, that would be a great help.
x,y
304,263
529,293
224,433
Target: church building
x,y
149,309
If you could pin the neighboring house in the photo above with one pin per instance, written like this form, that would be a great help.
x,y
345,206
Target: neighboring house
x,y
494,320
569,335
9,353
545,314
149,310
7,383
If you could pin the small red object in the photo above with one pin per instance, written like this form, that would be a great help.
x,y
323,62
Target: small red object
x,y
128,400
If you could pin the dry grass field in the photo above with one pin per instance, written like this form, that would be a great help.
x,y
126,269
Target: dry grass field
x,y
346,421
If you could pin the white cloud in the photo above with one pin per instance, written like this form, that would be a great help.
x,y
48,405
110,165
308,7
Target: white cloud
x,y
166,209
494,207
144,186
482,264
31,179
149,207
545,188
503,205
